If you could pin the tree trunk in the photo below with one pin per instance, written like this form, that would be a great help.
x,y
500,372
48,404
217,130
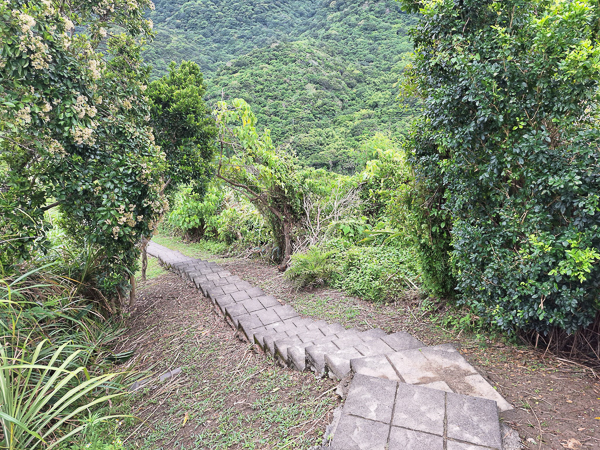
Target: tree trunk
x,y
132,292
287,253
145,243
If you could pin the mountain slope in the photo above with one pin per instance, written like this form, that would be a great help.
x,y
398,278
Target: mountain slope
x,y
212,32
319,104
322,75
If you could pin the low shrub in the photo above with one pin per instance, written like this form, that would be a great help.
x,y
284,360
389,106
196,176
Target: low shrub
x,y
313,268
377,273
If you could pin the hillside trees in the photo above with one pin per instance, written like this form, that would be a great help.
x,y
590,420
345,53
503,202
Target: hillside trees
x,y
507,150
184,129
268,176
74,131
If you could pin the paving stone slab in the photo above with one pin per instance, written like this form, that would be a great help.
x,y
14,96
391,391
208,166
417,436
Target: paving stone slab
x,y
355,433
403,439
420,409
315,354
473,420
268,300
268,316
401,341
279,344
371,398
297,355
374,366
337,364
393,415
254,292
249,325
428,365
278,332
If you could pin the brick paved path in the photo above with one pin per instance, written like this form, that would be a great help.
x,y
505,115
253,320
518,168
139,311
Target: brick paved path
x,y
402,394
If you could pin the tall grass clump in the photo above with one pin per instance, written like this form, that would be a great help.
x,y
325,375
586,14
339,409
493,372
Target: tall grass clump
x,y
52,373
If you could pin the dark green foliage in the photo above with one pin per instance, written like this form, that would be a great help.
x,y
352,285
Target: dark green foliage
x,y
183,126
508,148
429,221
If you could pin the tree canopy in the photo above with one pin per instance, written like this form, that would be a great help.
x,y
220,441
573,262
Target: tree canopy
x,y
183,125
74,130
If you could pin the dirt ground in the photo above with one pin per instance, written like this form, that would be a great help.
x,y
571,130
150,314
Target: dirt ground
x,y
557,402
226,396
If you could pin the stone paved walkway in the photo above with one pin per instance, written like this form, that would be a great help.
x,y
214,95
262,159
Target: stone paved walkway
x,y
402,394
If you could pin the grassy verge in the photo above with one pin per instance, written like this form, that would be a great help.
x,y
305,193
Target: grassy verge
x,y
200,250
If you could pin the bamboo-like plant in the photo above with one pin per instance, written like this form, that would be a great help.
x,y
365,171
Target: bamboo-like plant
x,y
39,400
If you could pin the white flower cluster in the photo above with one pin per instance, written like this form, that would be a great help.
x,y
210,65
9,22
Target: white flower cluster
x,y
24,115
83,135
26,22
55,148
68,24
95,69
40,57
82,108
103,8
127,218
132,5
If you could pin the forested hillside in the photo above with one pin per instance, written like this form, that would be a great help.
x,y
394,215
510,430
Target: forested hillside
x,y
321,75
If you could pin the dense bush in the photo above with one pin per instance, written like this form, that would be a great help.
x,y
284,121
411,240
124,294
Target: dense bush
x,y
219,215
312,268
508,149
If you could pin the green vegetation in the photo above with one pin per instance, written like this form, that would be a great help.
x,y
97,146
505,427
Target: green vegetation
x,y
304,156
182,126
73,135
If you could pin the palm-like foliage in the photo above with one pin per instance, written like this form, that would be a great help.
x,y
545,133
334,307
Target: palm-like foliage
x,y
40,399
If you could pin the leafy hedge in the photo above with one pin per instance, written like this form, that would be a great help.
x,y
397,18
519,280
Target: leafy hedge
x,y
508,149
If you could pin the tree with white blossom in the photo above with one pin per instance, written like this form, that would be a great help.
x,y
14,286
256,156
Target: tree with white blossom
x,y
74,130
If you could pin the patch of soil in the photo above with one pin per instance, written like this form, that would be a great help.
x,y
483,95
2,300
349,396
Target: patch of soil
x,y
227,396
557,402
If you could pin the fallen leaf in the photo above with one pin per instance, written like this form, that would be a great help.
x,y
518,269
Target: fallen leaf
x,y
569,401
185,419
572,444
